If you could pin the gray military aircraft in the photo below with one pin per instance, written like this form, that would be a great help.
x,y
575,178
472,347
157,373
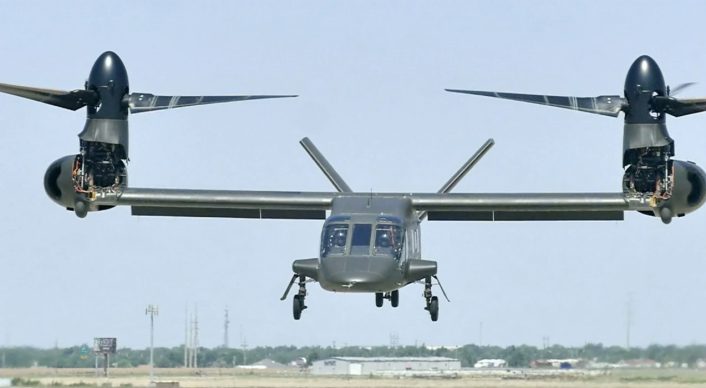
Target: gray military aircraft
x,y
370,242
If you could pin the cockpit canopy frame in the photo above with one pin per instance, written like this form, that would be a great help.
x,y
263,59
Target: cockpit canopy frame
x,y
350,236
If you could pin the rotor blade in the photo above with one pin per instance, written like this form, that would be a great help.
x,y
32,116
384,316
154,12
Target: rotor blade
x,y
680,88
145,102
678,107
73,100
325,166
602,105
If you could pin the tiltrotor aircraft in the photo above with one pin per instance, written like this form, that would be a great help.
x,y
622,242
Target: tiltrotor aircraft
x,y
670,187
370,242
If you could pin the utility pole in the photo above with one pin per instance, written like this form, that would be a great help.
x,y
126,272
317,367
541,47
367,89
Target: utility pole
x,y
244,345
195,340
394,340
152,310
226,322
186,337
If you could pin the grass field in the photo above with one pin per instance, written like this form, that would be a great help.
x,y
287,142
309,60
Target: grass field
x,y
139,377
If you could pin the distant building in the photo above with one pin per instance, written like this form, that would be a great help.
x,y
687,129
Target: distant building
x,y
491,363
371,365
264,364
564,363
639,363
299,362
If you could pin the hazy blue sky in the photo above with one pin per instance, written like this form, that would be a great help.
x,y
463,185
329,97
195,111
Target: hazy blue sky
x,y
371,77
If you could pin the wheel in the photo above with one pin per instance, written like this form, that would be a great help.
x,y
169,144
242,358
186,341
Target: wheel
x,y
395,298
378,299
434,308
297,307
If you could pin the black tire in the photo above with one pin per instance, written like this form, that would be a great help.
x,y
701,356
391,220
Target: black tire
x,y
434,308
378,299
297,307
395,298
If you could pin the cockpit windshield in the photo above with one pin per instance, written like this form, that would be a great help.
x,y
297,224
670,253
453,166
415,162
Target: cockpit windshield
x,y
360,243
381,238
388,240
334,240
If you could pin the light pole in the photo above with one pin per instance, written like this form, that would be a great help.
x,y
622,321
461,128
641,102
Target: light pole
x,y
152,310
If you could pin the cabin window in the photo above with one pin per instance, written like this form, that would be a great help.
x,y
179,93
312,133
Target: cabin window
x,y
334,240
360,243
388,240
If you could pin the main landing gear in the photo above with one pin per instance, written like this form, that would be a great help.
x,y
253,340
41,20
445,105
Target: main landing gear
x,y
298,301
432,302
393,296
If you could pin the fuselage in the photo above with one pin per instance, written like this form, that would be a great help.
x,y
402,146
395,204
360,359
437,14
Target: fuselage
x,y
367,244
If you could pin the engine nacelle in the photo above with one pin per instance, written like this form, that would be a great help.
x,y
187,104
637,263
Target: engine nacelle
x,y
58,182
672,187
688,192
74,180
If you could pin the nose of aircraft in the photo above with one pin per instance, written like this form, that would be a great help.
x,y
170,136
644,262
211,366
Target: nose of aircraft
x,y
365,273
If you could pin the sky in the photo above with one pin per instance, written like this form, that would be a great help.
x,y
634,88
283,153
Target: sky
x,y
370,76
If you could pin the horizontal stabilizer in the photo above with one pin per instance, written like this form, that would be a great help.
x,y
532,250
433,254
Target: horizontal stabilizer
x,y
602,105
64,99
526,216
286,214
145,102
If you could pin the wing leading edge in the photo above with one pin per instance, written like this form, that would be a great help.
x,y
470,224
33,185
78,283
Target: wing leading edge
x,y
313,205
526,206
221,203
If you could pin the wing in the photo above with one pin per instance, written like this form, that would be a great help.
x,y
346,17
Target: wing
x,y
526,206
221,203
313,205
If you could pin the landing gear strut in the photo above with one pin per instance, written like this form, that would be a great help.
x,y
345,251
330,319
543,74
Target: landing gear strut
x,y
393,296
432,302
298,301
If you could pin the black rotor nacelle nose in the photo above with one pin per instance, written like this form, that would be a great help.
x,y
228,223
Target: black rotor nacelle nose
x,y
645,75
644,80
109,79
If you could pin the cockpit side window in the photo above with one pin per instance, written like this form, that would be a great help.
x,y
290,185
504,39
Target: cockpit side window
x,y
360,243
388,240
334,240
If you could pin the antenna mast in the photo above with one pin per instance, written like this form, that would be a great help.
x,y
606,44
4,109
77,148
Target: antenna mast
x,y
226,322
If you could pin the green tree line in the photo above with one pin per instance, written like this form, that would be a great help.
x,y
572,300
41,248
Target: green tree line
x,y
516,356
